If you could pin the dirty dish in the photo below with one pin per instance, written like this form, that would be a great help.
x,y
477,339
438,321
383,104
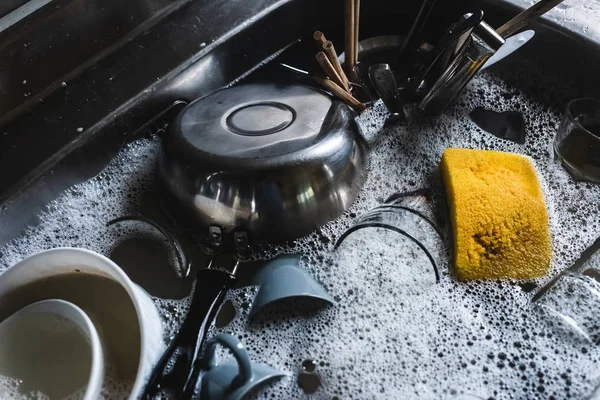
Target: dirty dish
x,y
276,161
51,348
401,214
127,320
577,141
232,380
282,278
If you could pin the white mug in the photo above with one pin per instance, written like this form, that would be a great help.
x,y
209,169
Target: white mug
x,y
61,261
26,347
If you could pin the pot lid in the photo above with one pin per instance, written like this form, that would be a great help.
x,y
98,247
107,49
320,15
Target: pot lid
x,y
251,121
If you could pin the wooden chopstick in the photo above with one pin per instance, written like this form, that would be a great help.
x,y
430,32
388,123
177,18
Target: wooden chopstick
x,y
330,71
320,39
338,91
356,25
333,57
326,46
349,32
526,17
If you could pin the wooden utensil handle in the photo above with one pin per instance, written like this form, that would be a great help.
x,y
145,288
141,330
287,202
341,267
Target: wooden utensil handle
x,y
349,30
339,92
330,70
333,57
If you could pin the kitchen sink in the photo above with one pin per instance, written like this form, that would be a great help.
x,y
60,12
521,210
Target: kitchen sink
x,y
83,82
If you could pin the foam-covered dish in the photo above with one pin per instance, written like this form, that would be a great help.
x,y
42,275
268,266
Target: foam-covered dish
x,y
124,314
51,348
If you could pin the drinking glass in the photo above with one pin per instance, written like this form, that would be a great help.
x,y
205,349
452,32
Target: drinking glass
x,y
577,142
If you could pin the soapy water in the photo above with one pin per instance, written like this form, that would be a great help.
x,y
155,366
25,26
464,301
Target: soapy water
x,y
394,332
113,388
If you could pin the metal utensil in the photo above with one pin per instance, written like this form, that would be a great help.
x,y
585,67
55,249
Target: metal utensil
x,y
480,46
374,50
511,45
527,16
414,36
577,267
382,79
430,58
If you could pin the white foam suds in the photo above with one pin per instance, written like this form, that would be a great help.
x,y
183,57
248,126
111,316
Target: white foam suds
x,y
394,333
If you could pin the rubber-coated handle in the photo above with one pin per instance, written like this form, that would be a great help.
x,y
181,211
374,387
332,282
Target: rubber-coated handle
x,y
211,287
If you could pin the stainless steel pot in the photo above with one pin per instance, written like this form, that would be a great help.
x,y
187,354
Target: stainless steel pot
x,y
277,161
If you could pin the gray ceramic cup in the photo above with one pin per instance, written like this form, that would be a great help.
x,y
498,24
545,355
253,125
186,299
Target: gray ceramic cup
x,y
281,278
233,379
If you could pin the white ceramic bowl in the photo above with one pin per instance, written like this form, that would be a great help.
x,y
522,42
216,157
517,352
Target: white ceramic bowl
x,y
70,260
23,351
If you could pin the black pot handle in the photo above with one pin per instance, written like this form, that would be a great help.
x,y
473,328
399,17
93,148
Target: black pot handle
x,y
211,287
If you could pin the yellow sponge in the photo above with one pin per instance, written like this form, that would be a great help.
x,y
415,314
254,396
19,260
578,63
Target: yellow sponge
x,y
498,214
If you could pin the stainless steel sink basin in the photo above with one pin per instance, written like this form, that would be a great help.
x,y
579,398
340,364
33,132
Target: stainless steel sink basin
x,y
80,81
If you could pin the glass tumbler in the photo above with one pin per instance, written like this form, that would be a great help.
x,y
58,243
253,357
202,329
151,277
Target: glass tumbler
x,y
577,141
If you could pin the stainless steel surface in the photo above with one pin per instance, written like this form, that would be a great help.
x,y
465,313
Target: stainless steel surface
x,y
142,55
125,76
430,58
7,6
114,95
384,82
52,37
374,50
491,38
479,47
274,160
527,16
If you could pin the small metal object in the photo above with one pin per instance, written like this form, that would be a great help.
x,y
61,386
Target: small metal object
x,y
480,46
382,79
295,70
276,161
374,50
